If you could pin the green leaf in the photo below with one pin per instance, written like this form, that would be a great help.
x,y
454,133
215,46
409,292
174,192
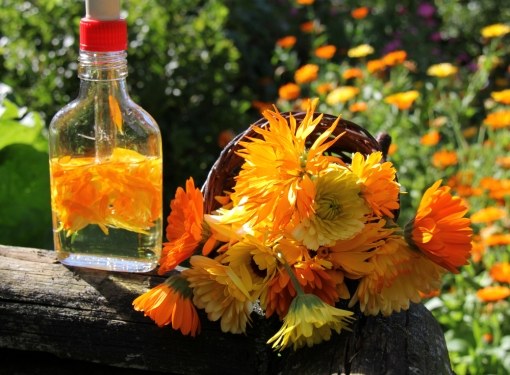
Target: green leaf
x,y
25,217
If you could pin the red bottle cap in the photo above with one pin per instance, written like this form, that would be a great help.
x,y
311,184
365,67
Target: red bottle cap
x,y
103,36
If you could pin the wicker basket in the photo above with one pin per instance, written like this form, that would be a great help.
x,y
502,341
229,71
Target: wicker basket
x,y
222,175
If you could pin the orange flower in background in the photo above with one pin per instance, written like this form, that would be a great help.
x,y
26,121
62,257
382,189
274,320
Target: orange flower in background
x,y
500,272
440,230
470,132
358,107
170,303
352,73
501,96
394,58
325,52
442,70
498,120
261,106
477,249
431,138
403,100
444,158
374,66
503,161
225,137
393,149
497,239
360,13
493,293
184,229
495,30
341,94
306,73
289,91
488,215
360,51
305,2
287,41
307,27
324,88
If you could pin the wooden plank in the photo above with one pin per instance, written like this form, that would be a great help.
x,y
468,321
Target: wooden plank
x,y
86,315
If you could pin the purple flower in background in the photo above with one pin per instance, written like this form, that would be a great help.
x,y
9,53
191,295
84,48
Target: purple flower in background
x,y
391,46
426,10
436,37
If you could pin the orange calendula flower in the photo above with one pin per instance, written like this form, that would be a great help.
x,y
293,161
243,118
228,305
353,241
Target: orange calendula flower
x,y
503,161
488,215
500,272
495,30
493,293
360,13
220,292
393,149
282,163
431,138
470,132
308,322
289,91
307,27
352,73
121,192
444,158
184,229
501,96
360,51
440,230
358,107
497,240
306,73
403,100
374,66
498,119
325,52
305,2
378,180
261,106
324,88
287,41
442,70
394,58
170,302
341,94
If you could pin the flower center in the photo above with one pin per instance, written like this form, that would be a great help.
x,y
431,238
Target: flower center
x,y
328,208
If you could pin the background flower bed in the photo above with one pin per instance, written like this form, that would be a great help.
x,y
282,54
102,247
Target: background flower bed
x,y
204,69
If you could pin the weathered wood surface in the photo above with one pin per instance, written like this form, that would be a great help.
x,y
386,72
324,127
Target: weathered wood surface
x,y
86,315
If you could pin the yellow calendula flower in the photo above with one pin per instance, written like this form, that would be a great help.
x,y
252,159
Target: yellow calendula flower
x,y
360,51
399,275
501,96
495,30
341,94
220,292
402,100
308,322
442,70
339,211
379,186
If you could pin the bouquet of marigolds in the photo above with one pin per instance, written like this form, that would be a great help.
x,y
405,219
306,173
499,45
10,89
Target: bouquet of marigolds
x,y
300,223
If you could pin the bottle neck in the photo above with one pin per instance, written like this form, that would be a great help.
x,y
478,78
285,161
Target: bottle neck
x,y
102,66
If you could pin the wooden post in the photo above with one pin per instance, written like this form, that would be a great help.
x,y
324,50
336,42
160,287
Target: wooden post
x,y
86,315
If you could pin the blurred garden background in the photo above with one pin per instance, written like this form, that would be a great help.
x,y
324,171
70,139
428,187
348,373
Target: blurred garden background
x,y
435,75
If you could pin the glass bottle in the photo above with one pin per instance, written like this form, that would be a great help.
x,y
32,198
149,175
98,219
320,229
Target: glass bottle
x,y
105,163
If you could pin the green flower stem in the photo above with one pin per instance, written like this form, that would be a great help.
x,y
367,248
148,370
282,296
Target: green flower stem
x,y
292,276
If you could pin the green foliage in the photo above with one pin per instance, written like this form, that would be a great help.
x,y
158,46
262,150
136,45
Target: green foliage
x,y
25,218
